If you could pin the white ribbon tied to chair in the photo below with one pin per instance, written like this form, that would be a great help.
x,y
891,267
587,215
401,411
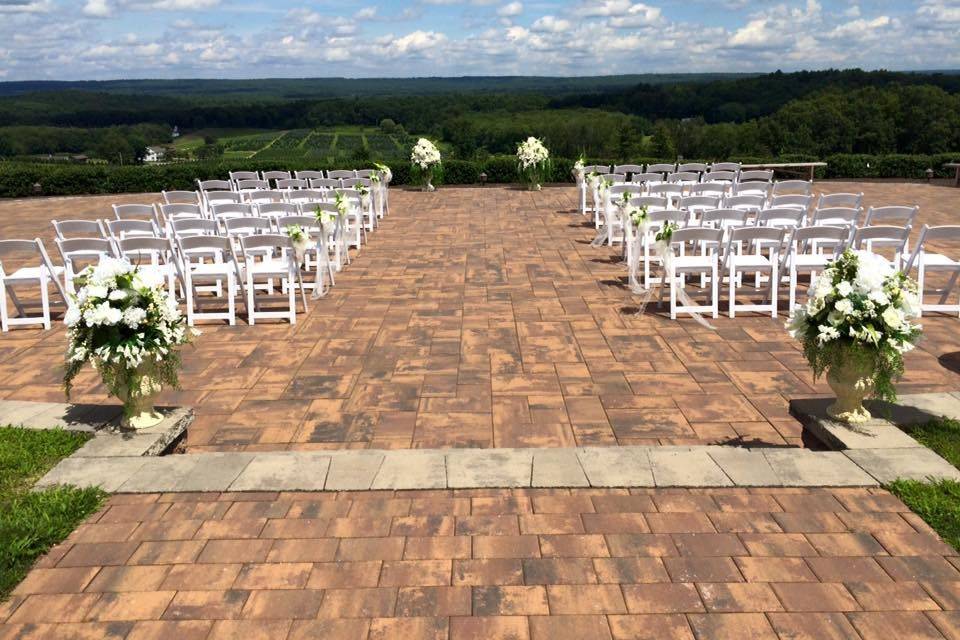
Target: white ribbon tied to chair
x,y
603,233
323,262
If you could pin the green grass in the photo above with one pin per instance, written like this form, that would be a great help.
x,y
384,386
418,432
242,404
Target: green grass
x,y
33,521
938,503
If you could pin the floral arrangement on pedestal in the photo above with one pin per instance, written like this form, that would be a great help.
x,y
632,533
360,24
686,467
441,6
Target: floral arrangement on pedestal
x,y
579,168
856,327
128,327
533,162
426,164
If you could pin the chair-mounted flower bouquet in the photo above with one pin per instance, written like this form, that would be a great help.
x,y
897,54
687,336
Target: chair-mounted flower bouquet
x,y
129,328
856,327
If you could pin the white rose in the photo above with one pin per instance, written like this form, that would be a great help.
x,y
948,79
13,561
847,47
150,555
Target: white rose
x,y
843,306
72,316
844,288
892,318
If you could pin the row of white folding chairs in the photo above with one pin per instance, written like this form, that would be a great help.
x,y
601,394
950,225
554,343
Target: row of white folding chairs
x,y
283,184
358,220
772,254
337,174
222,265
667,168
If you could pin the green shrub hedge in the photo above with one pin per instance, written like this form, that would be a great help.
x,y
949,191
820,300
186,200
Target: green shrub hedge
x,y
17,179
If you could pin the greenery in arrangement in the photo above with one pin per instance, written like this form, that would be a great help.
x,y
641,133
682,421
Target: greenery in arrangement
x,y
124,323
859,313
938,503
33,521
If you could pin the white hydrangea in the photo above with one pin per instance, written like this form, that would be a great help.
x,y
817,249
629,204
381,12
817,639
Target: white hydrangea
x,y
425,154
531,153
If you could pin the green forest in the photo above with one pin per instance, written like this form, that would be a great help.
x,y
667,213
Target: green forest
x,y
767,116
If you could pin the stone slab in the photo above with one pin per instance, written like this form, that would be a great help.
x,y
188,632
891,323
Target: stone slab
x,y
685,467
558,468
805,468
499,468
107,473
160,474
212,471
412,469
745,467
875,434
117,445
887,465
352,470
22,414
616,466
284,471
917,408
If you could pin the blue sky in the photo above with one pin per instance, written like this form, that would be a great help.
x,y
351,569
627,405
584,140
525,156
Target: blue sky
x,y
101,39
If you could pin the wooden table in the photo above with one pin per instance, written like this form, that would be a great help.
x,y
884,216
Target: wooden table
x,y
794,167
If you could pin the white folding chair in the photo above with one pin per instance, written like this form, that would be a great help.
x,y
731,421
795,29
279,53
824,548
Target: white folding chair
x,y
846,200
135,212
792,187
698,254
715,175
181,197
809,250
658,215
23,263
78,253
264,196
208,260
251,184
306,196
273,210
696,205
713,188
695,167
896,215
662,168
153,256
743,255
268,257
928,261
274,176
751,203
627,169
835,216
223,212
353,219
878,237
186,227
731,167
171,212
64,229
341,173
319,247
308,175
646,178
289,184
611,210
793,201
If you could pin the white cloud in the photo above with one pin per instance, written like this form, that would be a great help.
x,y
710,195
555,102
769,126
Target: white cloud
x,y
511,9
97,9
552,24
25,6
417,41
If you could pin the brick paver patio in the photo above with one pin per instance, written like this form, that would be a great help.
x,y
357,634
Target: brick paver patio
x,y
496,564
480,318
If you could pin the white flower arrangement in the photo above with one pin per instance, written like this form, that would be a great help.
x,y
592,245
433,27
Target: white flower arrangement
x,y
533,161
579,168
383,172
128,327
426,162
860,309
300,240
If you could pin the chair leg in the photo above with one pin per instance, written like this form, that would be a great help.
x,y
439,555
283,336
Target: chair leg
x,y
673,292
4,320
231,301
714,291
793,288
732,276
250,299
774,282
920,277
292,297
45,301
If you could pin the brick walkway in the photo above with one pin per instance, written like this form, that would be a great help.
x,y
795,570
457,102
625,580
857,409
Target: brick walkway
x,y
480,318
490,565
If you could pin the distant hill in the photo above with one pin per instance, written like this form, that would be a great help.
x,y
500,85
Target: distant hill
x,y
307,88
